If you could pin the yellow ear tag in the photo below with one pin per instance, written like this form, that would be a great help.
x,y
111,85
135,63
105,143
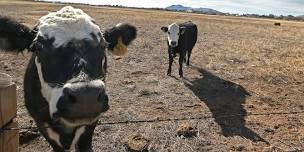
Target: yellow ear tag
x,y
120,49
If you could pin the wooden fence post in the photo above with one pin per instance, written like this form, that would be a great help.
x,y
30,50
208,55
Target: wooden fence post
x,y
9,139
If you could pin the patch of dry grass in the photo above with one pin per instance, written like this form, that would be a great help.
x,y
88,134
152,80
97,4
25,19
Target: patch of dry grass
x,y
264,59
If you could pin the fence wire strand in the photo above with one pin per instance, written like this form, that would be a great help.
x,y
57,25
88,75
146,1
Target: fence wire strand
x,y
35,128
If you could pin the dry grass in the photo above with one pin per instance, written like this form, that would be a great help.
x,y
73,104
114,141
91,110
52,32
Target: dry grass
x,y
232,56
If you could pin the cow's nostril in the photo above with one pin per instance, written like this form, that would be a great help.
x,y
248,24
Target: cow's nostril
x,y
173,43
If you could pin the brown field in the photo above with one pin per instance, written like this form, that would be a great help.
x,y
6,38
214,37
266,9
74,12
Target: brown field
x,y
239,66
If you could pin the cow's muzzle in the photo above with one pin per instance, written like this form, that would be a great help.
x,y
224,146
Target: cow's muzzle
x,y
173,43
82,104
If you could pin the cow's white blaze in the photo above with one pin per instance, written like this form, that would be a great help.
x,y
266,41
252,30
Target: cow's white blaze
x,y
53,135
67,24
78,133
50,94
173,33
53,94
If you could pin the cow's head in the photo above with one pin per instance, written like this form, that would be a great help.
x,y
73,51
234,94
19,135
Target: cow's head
x,y
69,52
174,31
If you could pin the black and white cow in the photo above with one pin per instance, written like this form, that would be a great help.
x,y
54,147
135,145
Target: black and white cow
x,y
181,40
64,88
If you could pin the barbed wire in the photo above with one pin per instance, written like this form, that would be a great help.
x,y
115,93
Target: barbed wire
x,y
35,128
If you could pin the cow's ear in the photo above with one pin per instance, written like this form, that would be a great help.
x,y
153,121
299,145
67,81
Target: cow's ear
x,y
14,36
164,29
182,30
119,37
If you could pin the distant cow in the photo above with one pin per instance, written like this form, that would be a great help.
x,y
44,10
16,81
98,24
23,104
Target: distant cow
x,y
64,88
277,24
181,40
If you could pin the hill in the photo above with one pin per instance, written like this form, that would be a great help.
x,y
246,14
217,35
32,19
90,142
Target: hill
x,y
190,9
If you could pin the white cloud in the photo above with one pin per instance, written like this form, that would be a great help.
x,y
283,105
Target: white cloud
x,y
278,7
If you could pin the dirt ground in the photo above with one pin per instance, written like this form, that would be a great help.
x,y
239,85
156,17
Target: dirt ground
x,y
239,66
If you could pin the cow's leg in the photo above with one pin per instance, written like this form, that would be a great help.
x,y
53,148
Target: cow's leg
x,y
188,57
170,65
170,61
54,145
85,141
181,61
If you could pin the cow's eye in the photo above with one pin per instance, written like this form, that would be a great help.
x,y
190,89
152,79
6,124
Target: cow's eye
x,y
168,32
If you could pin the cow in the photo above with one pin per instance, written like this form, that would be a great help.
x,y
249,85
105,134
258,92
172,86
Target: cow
x,y
181,39
277,24
64,83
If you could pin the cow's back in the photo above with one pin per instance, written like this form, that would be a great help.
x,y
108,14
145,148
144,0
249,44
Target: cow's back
x,y
189,38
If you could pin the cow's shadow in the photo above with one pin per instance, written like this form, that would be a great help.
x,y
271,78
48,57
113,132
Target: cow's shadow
x,y
225,100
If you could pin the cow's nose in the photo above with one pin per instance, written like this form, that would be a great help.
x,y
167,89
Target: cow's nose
x,y
83,102
173,43
81,94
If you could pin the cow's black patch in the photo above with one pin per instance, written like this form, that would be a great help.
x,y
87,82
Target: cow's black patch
x,y
126,31
164,29
64,63
14,36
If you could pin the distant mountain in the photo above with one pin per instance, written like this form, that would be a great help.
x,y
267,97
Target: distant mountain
x,y
178,8
207,10
301,16
190,9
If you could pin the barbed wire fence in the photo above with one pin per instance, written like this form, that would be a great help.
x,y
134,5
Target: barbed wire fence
x,y
158,120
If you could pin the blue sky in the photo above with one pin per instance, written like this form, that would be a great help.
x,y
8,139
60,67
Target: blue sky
x,y
277,7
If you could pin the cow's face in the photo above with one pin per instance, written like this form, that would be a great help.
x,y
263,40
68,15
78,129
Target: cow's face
x,y
70,58
69,55
71,79
174,31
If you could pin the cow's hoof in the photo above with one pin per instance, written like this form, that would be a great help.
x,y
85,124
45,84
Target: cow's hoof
x,y
169,72
181,74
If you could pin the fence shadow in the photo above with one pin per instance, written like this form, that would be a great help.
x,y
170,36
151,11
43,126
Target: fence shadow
x,y
223,98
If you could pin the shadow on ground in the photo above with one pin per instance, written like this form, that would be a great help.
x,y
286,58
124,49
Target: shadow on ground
x,y
225,100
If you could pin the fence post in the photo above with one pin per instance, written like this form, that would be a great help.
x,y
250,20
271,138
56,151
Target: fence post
x,y
9,139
